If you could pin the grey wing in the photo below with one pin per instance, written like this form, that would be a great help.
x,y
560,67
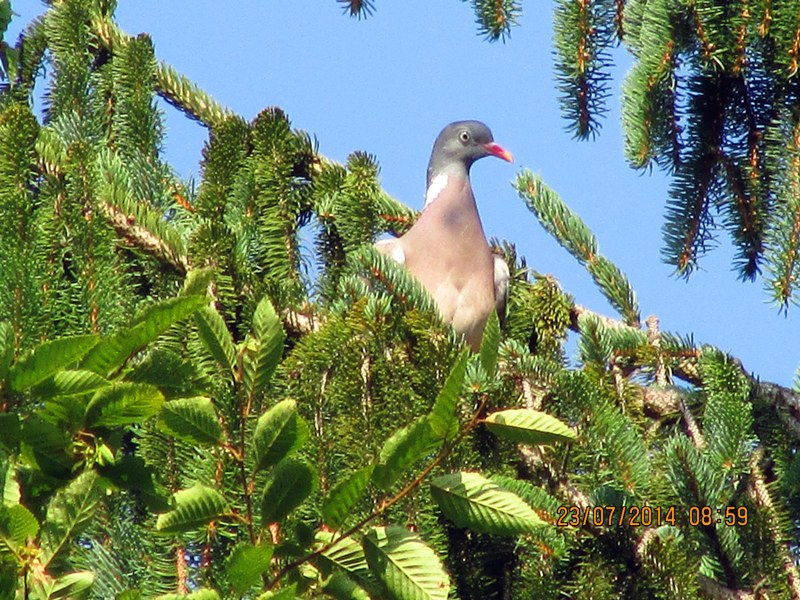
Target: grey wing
x,y
501,277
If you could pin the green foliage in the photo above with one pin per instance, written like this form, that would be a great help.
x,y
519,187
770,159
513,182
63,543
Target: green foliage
x,y
566,227
185,414
279,432
193,507
584,34
476,503
528,426
405,565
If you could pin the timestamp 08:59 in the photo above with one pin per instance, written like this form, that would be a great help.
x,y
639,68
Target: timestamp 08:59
x,y
650,516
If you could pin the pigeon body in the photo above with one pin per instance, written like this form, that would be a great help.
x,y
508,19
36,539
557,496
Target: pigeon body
x,y
446,249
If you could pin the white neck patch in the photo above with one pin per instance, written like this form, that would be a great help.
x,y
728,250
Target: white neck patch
x,y
435,188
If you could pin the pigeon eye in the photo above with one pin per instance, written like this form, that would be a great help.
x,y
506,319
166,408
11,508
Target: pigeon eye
x,y
464,136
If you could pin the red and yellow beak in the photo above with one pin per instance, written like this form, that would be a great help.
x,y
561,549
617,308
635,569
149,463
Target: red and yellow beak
x,y
498,151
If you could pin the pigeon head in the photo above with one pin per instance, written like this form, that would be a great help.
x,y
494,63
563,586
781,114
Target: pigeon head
x,y
462,143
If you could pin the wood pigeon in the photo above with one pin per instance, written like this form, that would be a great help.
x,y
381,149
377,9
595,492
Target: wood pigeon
x,y
446,249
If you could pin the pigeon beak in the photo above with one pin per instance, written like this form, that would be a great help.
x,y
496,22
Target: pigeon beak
x,y
498,151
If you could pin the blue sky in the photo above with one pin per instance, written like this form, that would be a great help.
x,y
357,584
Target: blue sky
x,y
388,84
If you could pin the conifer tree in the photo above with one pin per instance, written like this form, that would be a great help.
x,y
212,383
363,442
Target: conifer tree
x,y
183,414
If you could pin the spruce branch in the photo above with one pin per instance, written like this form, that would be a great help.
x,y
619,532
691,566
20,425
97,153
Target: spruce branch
x,y
175,88
572,233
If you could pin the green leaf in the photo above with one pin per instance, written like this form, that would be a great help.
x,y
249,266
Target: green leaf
x,y
46,447
471,501
405,564
528,426
69,511
289,484
490,344
403,449
72,585
340,587
194,507
17,524
279,432
338,506
6,348
112,351
193,420
346,554
49,357
123,404
11,493
269,336
245,565
71,383
443,414
216,338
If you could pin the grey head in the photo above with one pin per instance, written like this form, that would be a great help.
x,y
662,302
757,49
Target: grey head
x,y
462,143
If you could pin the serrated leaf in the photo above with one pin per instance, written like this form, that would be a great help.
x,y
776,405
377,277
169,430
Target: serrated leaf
x,y
443,414
289,484
72,585
405,564
346,554
123,404
269,337
403,449
49,357
490,344
45,446
70,383
112,351
193,420
473,502
245,565
194,507
528,426
344,496
17,524
11,492
216,338
69,511
279,432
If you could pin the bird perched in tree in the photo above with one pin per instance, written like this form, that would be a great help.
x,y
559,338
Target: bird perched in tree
x,y
446,249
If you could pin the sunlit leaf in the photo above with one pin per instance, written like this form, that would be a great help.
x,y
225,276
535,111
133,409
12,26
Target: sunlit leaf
x,y
474,502
68,513
193,420
194,507
123,404
528,426
289,484
245,565
279,432
443,418
337,507
49,357
405,564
